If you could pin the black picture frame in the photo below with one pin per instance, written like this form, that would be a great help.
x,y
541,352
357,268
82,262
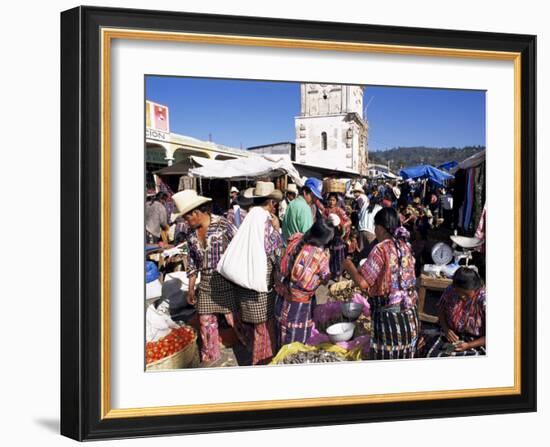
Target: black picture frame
x,y
81,215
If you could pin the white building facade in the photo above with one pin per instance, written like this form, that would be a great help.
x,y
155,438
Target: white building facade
x,y
331,131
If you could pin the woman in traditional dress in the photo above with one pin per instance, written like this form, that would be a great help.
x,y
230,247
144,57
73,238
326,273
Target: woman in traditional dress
x,y
388,277
304,266
337,246
461,317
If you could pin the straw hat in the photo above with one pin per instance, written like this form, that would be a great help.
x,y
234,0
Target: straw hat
x,y
263,190
234,189
357,187
187,200
292,188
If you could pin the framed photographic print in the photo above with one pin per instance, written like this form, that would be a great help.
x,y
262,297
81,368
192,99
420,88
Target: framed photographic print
x,y
276,223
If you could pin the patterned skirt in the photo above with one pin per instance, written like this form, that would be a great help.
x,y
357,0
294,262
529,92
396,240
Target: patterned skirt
x,y
215,295
294,321
439,347
257,307
394,331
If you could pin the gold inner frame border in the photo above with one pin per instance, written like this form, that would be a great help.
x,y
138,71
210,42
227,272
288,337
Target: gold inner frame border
x,y
107,35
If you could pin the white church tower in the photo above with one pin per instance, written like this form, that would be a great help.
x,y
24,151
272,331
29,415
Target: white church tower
x,y
331,131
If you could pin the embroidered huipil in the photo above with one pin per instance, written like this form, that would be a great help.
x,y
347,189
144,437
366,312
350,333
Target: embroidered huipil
x,y
273,241
218,235
386,277
464,316
311,266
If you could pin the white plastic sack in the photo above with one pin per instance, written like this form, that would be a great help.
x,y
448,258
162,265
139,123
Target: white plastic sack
x,y
245,261
158,323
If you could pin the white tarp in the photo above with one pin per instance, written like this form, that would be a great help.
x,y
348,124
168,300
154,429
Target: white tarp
x,y
386,175
244,168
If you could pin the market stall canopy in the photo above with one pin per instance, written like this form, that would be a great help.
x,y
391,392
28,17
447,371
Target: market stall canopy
x,y
180,168
448,165
386,176
244,168
437,176
321,172
472,162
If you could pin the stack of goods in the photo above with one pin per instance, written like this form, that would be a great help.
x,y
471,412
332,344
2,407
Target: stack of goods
x,y
343,290
168,344
297,353
176,350
317,356
175,341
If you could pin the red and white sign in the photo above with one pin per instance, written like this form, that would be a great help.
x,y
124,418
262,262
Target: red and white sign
x,y
157,117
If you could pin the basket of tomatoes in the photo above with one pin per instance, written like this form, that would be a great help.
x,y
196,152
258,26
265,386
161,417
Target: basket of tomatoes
x,y
175,351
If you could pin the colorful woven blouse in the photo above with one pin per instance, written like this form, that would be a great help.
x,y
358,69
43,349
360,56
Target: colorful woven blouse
x,y
205,259
299,282
384,275
464,316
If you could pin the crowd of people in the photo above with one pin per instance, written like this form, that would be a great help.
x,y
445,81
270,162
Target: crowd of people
x,y
262,262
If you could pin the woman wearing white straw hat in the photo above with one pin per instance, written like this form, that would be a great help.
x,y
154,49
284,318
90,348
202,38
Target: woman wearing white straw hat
x,y
250,263
207,239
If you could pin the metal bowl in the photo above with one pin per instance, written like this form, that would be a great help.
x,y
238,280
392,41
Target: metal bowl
x,y
351,310
340,332
467,242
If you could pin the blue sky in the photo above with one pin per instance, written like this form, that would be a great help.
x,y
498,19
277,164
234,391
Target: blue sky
x,y
251,113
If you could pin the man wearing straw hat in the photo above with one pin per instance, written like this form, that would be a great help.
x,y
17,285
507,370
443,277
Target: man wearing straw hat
x,y
207,239
256,252
233,194
291,193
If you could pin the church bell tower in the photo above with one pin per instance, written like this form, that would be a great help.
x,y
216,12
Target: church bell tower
x,y
331,131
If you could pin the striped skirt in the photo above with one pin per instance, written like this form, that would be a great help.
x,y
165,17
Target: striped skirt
x,y
257,307
439,347
215,295
394,331
294,321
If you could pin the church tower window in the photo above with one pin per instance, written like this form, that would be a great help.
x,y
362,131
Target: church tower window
x,y
324,141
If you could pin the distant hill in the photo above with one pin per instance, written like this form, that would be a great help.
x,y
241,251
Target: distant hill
x,y
402,157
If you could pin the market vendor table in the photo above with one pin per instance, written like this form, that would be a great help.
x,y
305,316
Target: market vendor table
x,y
425,283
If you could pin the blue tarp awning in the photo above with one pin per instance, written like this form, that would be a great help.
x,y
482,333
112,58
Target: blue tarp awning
x,y
437,176
448,166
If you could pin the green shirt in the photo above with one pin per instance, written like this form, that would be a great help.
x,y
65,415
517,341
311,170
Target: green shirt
x,y
298,217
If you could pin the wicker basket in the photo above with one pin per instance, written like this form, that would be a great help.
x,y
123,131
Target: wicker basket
x,y
333,185
188,357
